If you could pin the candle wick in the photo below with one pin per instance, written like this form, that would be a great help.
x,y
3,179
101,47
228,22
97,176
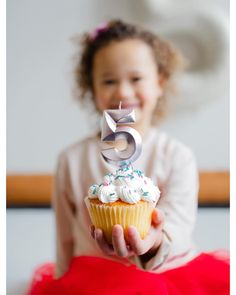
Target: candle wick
x,y
120,105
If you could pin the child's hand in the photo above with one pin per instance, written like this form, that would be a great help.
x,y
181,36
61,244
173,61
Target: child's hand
x,y
135,246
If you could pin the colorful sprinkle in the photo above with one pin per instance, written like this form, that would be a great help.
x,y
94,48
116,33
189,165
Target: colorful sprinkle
x,y
119,176
140,173
94,191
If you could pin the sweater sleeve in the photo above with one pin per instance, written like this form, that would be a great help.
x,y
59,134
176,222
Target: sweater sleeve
x,y
179,203
64,215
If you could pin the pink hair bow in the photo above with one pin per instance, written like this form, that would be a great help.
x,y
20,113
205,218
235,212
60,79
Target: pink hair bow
x,y
99,29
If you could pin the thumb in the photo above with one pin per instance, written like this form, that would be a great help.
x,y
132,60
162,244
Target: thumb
x,y
157,217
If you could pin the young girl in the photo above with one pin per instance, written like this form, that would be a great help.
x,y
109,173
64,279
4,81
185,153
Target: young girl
x,y
124,63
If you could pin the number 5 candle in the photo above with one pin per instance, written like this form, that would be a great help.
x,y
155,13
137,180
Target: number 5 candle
x,y
111,131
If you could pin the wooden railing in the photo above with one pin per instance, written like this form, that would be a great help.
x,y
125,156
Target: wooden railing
x,y
36,190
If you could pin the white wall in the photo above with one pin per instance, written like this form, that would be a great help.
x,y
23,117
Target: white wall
x,y
42,118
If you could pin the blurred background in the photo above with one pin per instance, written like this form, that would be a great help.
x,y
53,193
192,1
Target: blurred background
x,y
42,118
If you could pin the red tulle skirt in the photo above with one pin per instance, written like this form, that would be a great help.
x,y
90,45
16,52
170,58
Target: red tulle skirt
x,y
205,275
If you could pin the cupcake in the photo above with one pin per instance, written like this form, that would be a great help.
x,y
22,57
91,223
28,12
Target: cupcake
x,y
126,197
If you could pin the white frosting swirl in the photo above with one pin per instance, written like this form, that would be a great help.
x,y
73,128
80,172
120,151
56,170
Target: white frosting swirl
x,y
150,193
107,194
129,195
125,184
108,179
93,190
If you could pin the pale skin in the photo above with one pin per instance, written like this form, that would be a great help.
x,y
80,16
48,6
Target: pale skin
x,y
135,245
126,71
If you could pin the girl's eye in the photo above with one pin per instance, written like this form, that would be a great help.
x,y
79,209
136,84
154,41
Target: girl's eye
x,y
136,79
109,82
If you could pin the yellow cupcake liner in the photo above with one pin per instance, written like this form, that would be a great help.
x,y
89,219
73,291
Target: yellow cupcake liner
x,y
105,216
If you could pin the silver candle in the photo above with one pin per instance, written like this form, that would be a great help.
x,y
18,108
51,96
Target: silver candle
x,y
111,131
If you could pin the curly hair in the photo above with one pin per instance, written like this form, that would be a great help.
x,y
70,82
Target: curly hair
x,y
168,60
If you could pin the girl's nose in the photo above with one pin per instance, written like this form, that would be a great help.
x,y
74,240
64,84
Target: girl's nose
x,y
124,90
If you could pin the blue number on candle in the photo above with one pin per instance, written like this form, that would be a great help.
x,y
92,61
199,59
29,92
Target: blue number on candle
x,y
112,132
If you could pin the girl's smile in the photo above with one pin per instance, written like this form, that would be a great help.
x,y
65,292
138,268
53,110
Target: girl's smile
x,y
125,105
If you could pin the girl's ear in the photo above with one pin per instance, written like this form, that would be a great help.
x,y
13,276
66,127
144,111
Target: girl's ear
x,y
162,79
160,85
